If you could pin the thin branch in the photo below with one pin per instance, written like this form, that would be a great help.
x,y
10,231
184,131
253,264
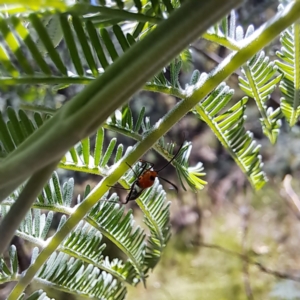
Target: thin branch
x,y
264,269
290,196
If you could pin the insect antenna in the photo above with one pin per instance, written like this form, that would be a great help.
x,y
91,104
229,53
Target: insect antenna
x,y
176,154
172,184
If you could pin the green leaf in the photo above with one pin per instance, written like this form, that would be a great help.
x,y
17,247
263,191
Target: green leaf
x,y
37,295
108,152
13,259
259,83
175,68
98,146
79,279
290,68
139,120
229,129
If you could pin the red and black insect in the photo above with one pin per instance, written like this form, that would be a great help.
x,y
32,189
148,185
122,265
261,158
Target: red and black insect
x,y
146,177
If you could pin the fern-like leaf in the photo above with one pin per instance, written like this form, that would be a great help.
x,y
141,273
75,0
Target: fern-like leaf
x,y
229,129
157,218
289,66
30,37
9,271
90,53
191,175
85,241
225,32
18,127
37,295
117,227
258,83
72,275
107,217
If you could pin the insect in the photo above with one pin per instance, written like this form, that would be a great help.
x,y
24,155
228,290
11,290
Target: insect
x,y
146,177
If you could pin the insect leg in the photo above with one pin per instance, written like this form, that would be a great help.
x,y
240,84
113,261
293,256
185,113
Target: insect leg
x,y
145,162
128,197
118,187
110,201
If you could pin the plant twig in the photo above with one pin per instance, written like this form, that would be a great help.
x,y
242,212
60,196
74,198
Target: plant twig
x,y
263,268
290,196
